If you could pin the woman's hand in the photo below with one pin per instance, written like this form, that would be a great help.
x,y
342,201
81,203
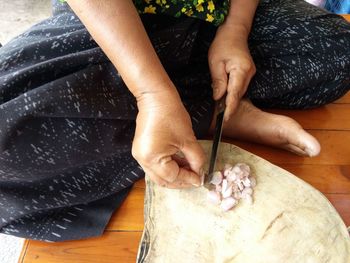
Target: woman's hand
x,y
231,66
163,129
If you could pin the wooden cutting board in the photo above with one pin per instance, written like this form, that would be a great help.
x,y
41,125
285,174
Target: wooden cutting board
x,y
289,221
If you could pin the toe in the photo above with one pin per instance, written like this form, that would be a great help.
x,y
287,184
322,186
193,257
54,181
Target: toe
x,y
313,147
294,149
298,140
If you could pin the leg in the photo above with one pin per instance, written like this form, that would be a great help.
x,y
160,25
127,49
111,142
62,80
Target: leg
x,y
301,54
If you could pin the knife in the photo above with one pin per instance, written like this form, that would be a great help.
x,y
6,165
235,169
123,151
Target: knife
x,y
221,106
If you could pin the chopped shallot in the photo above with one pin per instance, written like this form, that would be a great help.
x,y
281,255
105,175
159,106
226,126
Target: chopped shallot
x,y
217,178
214,197
228,203
233,183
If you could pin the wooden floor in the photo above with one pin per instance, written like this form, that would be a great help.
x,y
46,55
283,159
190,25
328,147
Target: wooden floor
x,y
329,172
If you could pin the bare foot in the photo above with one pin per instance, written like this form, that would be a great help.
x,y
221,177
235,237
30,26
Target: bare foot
x,y
252,124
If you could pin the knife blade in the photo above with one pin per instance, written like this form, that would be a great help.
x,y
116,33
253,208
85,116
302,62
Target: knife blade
x,y
221,106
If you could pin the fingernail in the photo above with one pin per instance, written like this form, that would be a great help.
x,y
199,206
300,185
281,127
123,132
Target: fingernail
x,y
196,185
202,181
202,175
201,172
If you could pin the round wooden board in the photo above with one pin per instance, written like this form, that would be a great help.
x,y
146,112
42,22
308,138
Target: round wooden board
x,y
289,221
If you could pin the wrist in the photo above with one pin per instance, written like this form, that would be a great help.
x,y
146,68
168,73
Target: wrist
x,y
233,30
157,98
240,16
142,86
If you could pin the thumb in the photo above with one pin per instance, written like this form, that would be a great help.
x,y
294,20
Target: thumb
x,y
219,79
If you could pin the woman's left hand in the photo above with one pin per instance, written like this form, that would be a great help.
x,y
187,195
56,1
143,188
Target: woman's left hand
x,y
231,66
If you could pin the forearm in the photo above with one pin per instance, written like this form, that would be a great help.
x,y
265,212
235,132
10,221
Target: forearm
x,y
117,28
240,17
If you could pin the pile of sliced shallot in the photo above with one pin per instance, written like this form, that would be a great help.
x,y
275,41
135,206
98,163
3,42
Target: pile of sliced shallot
x,y
232,184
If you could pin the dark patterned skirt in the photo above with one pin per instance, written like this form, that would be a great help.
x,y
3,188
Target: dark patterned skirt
x,y
67,120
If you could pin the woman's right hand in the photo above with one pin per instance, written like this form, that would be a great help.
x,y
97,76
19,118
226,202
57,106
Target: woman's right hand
x,y
163,129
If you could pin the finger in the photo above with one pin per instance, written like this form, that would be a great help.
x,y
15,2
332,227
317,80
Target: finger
x,y
188,177
182,162
179,185
219,79
195,156
163,183
157,180
169,170
166,168
235,90
246,85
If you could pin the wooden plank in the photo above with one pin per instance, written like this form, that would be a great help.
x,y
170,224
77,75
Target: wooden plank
x,y
330,179
335,150
130,215
341,202
140,183
344,99
112,247
24,251
347,17
329,117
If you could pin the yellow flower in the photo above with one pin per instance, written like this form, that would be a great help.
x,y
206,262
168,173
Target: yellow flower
x,y
189,12
183,10
147,1
200,8
200,2
161,2
211,6
210,18
150,9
